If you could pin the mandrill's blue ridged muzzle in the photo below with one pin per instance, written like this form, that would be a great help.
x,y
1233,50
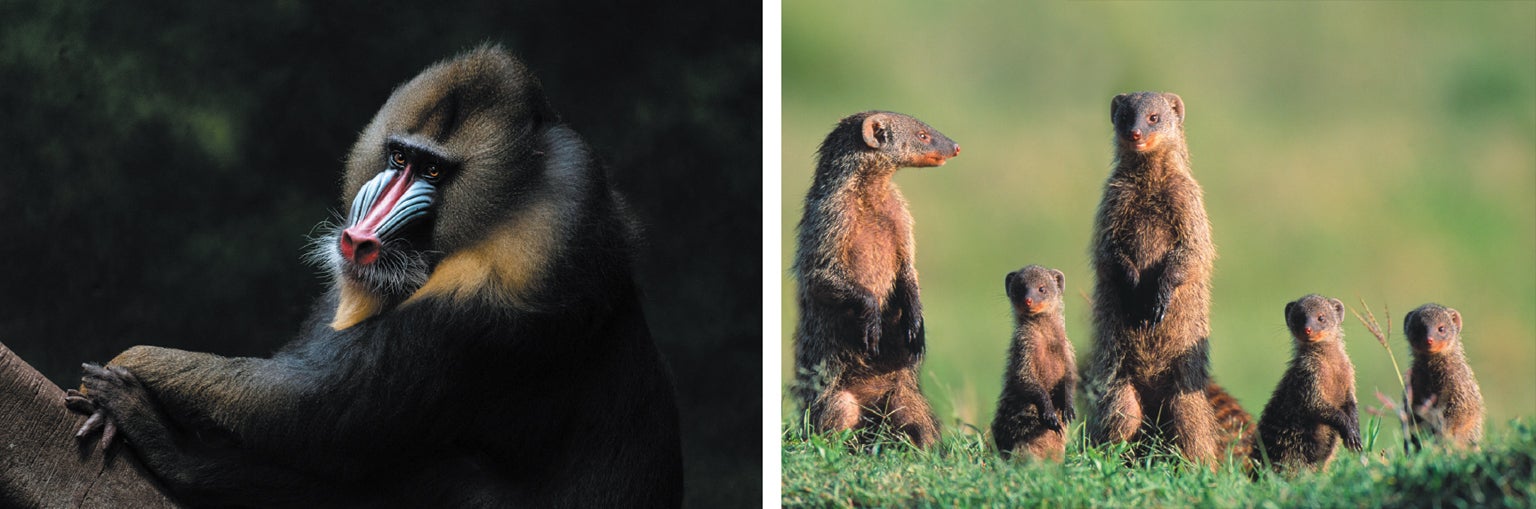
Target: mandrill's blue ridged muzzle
x,y
383,208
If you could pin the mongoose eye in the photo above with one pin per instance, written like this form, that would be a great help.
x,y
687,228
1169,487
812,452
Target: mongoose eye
x,y
922,136
1152,119
397,157
1042,289
1441,329
1322,319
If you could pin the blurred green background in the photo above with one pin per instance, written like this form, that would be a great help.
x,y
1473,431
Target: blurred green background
x,y
1385,151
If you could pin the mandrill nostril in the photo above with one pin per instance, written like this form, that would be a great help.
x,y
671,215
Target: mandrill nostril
x,y
359,247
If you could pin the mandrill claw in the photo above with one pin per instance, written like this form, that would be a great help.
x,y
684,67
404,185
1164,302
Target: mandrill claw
x,y
99,420
101,381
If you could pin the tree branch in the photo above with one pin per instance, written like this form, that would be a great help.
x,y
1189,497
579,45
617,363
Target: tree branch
x,y
41,462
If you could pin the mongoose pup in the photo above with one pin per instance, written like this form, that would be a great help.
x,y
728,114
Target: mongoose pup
x,y
1038,387
1313,406
1440,371
1152,254
860,338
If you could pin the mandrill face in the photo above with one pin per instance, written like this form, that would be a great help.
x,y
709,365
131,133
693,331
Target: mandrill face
x,y
450,156
387,230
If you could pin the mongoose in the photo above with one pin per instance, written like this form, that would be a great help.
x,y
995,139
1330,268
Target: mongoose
x,y
860,338
1233,423
1038,387
1313,406
1152,254
1440,371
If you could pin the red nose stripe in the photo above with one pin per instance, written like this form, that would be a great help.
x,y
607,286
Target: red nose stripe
x,y
384,204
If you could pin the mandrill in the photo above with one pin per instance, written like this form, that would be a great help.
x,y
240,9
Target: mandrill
x,y
482,344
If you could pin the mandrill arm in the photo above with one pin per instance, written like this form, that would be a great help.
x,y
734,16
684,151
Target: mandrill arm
x,y
213,427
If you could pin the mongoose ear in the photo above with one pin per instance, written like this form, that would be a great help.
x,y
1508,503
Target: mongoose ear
x,y
1455,318
1061,280
1408,319
876,129
1115,105
1338,309
1288,307
1178,105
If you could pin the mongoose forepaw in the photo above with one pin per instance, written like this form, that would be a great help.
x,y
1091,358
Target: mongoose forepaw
x,y
1051,422
872,336
1352,441
915,333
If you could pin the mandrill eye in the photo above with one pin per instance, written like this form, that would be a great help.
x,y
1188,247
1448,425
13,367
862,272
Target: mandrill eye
x,y
397,158
433,172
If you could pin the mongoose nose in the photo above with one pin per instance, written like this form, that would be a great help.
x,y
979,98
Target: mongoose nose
x,y
1029,302
1307,330
957,150
1136,135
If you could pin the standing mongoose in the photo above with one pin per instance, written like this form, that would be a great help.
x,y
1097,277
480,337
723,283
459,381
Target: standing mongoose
x,y
1313,406
1036,403
1153,256
1440,371
860,338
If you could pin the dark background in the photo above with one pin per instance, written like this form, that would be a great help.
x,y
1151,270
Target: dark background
x,y
165,162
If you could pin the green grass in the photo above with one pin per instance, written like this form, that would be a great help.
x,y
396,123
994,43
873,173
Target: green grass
x,y
964,471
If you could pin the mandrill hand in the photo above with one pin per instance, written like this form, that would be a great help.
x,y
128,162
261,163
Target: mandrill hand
x,y
110,392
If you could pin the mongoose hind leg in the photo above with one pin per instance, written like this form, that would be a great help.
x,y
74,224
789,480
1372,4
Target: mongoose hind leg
x,y
835,410
911,415
1192,425
1117,417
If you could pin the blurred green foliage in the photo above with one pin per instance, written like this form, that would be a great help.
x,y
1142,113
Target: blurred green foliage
x,y
166,160
1384,151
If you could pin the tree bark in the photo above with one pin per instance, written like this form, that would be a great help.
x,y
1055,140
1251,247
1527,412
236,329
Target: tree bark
x,y
42,464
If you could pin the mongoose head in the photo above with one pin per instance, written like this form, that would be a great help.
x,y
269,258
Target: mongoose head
x,y
1035,290
1432,328
901,140
1314,318
1145,121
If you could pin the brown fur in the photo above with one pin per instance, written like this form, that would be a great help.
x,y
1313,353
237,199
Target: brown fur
x,y
1313,406
860,338
1036,402
1153,256
1440,370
